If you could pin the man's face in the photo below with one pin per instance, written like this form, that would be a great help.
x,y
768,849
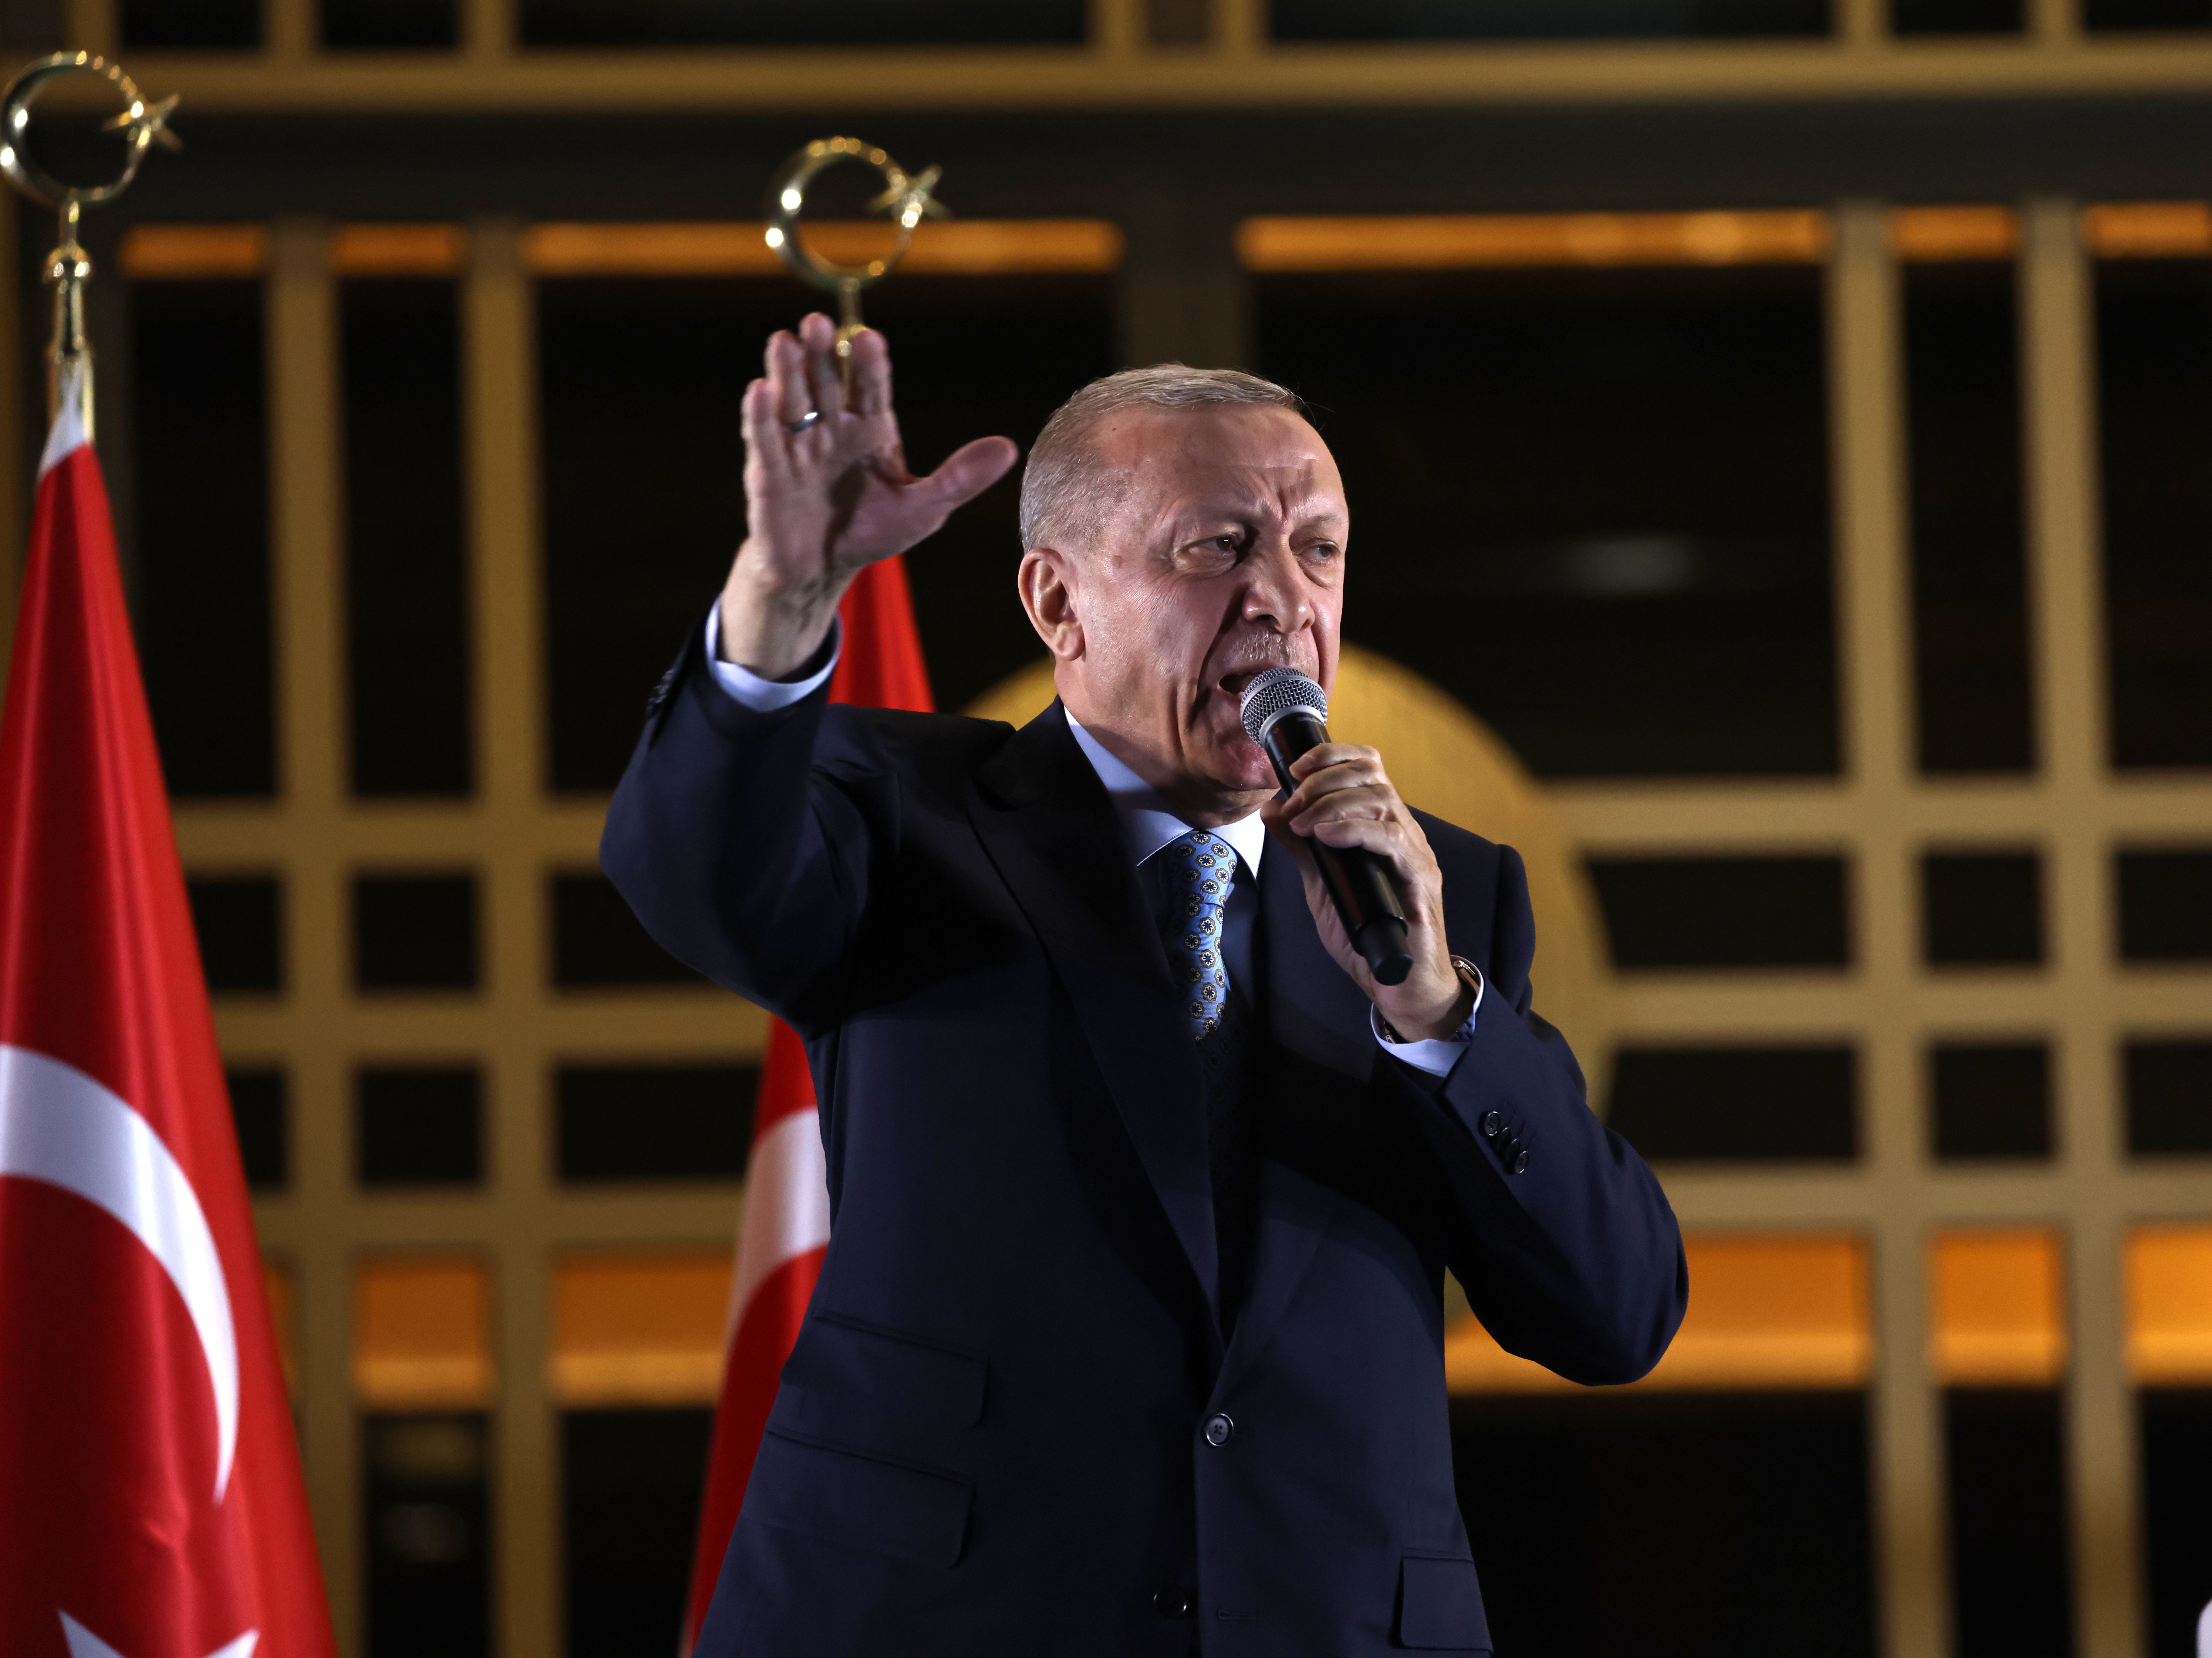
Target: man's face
x,y
1223,554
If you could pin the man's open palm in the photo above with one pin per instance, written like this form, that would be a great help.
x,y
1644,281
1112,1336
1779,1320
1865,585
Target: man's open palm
x,y
828,499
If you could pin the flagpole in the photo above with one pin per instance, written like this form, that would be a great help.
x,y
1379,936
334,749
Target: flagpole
x,y
69,268
69,354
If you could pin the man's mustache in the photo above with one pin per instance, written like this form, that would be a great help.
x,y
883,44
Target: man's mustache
x,y
1249,651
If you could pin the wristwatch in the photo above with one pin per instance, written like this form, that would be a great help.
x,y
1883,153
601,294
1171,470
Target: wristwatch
x,y
1471,976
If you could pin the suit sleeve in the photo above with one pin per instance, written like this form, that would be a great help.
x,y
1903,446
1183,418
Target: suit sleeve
x,y
742,839
1566,1246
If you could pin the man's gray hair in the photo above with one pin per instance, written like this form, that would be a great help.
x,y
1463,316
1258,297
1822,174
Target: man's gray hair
x,y
1065,493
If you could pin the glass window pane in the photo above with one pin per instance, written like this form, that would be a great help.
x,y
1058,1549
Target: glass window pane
x,y
407,622
419,1126
2155,408
2169,1099
1997,1307
2011,1570
2165,902
1981,908
215,25
427,1501
414,931
1593,505
640,1329
422,1332
800,23
1990,1100
1748,1515
2169,1304
2176,1464
1969,571
383,25
239,921
630,1485
1956,16
200,434
1725,912
2102,16
260,1111
1738,1105
627,1122
1507,20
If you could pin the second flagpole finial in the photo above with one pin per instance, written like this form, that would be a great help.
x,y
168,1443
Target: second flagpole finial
x,y
907,196
69,358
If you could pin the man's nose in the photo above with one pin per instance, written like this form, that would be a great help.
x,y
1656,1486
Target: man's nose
x,y
1276,589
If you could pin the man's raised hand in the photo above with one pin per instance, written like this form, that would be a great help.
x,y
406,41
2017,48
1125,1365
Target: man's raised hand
x,y
825,501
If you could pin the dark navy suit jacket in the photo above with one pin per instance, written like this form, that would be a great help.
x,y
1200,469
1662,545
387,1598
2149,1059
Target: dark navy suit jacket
x,y
992,1438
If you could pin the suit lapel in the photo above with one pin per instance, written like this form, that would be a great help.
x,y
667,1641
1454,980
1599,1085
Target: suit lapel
x,y
1050,831
1317,1041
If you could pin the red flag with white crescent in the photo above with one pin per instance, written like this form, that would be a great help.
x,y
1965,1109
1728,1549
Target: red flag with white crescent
x,y
786,1227
150,1498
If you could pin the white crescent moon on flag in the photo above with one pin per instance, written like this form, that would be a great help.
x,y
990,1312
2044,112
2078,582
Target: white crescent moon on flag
x,y
786,1203
83,1643
59,1126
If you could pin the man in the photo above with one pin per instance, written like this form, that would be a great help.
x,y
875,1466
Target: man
x,y
1129,1337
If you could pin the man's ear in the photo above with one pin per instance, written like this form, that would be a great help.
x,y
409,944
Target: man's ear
x,y
1049,599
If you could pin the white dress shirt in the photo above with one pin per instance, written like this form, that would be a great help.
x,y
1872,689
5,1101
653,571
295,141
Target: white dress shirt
x,y
1147,824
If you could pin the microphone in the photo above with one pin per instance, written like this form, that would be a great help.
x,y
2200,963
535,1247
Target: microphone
x,y
1284,712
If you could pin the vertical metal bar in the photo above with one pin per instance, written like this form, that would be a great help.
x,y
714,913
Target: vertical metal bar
x,y
294,29
1862,23
2054,23
91,27
1866,399
487,30
508,677
1239,27
1117,27
2066,608
310,655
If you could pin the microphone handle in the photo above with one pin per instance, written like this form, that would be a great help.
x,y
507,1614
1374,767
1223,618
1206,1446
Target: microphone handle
x,y
1358,882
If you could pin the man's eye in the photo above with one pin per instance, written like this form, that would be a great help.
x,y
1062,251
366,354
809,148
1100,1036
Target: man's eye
x,y
1323,550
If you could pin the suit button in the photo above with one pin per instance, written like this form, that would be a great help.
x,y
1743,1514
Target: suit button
x,y
1518,1161
1492,1124
1218,1427
1173,1603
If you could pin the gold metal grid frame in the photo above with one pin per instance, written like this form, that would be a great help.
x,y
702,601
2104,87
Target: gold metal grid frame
x,y
1891,1217
1118,66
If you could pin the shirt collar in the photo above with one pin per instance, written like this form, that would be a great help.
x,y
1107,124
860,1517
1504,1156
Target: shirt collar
x,y
1147,821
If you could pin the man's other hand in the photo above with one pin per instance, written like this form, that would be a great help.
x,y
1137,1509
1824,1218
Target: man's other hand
x,y
827,500
1344,799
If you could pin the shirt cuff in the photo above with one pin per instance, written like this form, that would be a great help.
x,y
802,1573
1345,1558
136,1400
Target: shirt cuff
x,y
748,689
1437,1054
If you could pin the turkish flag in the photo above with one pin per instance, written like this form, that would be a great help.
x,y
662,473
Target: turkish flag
x,y
785,1229
150,1499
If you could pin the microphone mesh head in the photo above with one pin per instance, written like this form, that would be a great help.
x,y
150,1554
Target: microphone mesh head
x,y
1276,691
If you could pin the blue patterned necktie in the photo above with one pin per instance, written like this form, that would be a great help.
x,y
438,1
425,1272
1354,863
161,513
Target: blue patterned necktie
x,y
1199,870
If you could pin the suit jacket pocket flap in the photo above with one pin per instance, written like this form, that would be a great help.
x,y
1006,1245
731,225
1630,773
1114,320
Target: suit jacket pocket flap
x,y
1440,1606
927,1385
858,1501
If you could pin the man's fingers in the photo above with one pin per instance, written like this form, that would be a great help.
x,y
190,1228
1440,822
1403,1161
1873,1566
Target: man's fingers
x,y
1331,754
786,374
871,375
968,471
763,437
825,381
